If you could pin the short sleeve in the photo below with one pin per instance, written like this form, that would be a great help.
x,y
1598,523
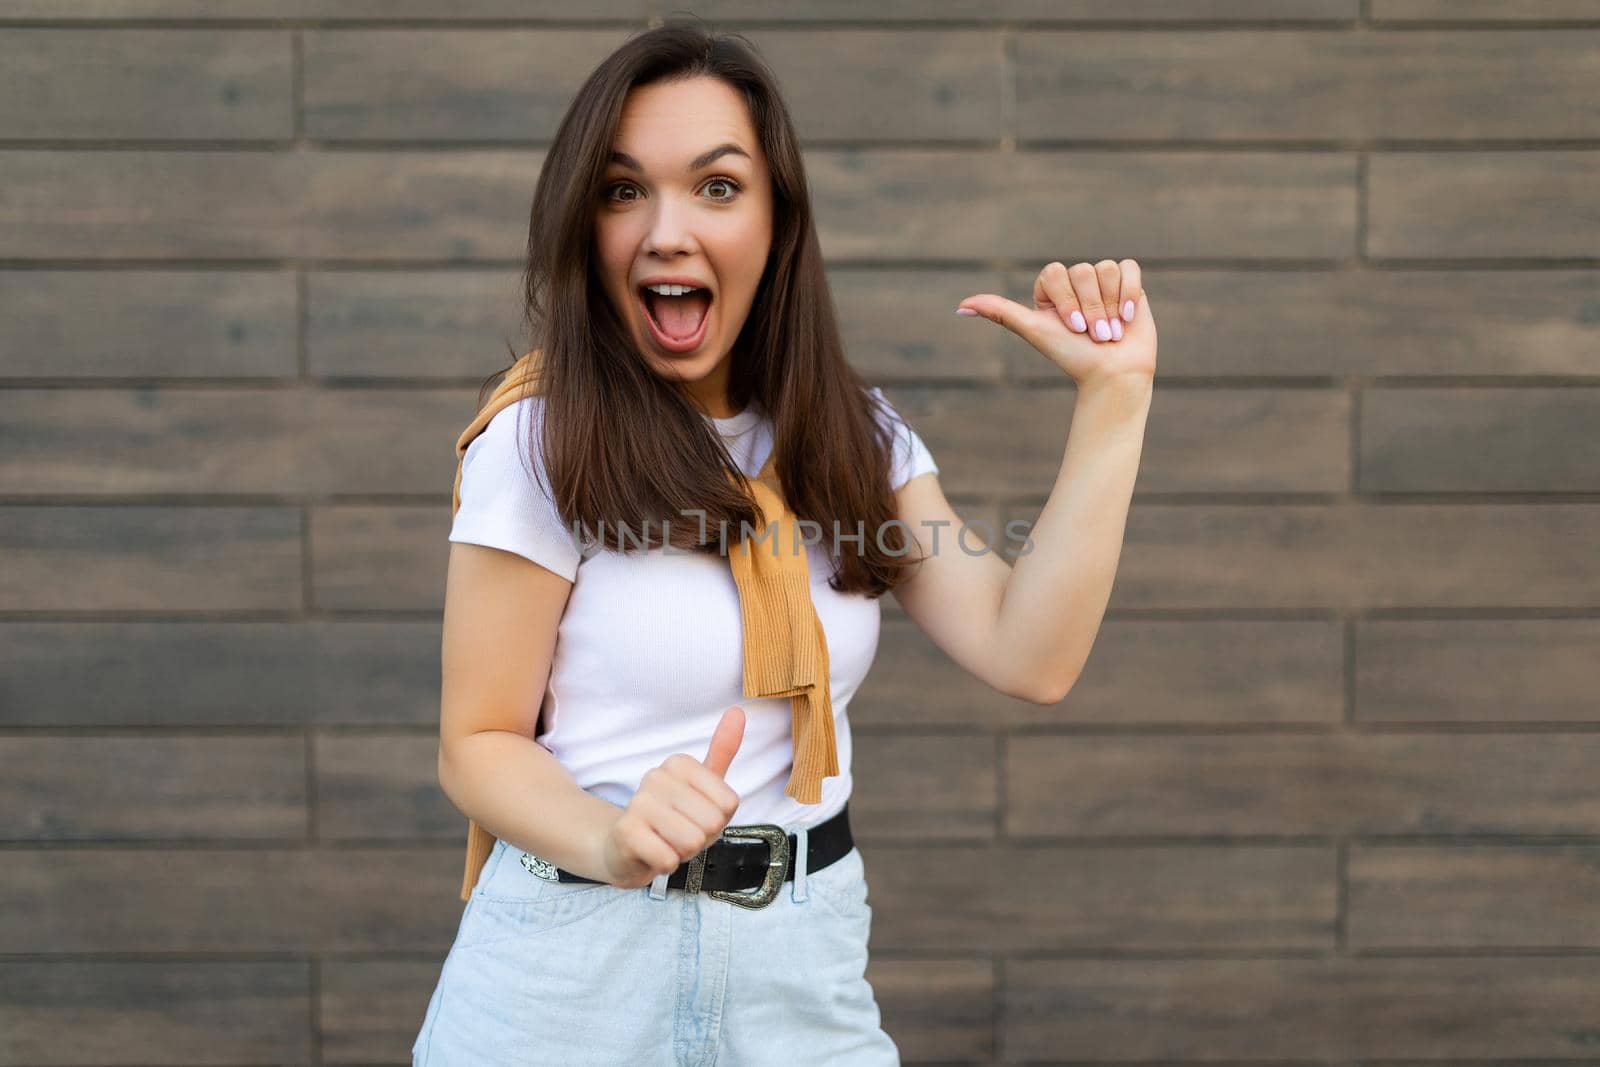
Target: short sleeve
x,y
910,456
502,506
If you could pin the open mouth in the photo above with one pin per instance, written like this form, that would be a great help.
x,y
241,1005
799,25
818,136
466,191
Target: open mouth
x,y
677,323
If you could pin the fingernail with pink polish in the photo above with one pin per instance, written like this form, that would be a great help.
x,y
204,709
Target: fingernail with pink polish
x,y
1127,310
1116,329
1102,329
965,311
1078,323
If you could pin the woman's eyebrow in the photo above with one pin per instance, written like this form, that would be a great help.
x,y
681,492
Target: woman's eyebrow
x,y
704,159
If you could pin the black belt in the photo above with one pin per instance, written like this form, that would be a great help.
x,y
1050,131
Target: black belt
x,y
755,854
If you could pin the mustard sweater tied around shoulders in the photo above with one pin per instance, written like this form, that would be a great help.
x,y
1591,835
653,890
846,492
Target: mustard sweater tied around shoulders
x,y
785,648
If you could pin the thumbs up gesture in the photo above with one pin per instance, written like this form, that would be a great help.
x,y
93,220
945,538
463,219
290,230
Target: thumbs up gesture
x,y
1091,320
679,808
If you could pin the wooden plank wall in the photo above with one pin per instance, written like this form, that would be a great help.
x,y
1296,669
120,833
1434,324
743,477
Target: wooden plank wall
x,y
1327,790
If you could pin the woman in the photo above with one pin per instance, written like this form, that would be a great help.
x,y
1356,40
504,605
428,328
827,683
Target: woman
x,y
688,355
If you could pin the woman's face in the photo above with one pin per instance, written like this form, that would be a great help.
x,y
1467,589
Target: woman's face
x,y
666,210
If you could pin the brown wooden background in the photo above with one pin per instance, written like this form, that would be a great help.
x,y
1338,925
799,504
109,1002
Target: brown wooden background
x,y
1329,789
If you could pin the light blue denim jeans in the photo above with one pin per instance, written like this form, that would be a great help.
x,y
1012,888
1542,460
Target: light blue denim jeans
x,y
578,973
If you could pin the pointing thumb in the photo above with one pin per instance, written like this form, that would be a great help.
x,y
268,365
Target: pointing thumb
x,y
1006,312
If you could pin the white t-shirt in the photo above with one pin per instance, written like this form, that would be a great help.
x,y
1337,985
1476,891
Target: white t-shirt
x,y
650,650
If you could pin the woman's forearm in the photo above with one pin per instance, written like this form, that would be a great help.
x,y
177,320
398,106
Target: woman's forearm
x,y
1056,597
513,787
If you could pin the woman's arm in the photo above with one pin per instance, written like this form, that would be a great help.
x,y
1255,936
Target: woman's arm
x,y
501,616
1055,599
1027,630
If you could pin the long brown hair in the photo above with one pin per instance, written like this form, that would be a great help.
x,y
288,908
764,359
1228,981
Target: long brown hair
x,y
624,445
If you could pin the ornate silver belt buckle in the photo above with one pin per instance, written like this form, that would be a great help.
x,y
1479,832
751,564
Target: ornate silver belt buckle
x,y
540,867
777,840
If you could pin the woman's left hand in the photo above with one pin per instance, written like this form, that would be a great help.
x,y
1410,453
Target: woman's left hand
x,y
1091,320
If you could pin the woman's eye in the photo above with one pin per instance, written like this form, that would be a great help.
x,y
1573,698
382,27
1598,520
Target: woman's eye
x,y
613,189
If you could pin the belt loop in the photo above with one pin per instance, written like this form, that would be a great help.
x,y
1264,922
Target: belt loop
x,y
802,854
658,887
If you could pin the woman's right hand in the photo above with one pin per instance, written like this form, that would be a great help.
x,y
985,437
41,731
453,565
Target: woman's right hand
x,y
680,807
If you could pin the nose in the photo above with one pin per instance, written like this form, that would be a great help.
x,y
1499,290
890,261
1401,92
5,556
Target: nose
x,y
669,232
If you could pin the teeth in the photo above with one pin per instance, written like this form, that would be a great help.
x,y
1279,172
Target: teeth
x,y
672,290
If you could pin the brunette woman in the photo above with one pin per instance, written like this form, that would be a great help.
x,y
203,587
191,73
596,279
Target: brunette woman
x,y
667,874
